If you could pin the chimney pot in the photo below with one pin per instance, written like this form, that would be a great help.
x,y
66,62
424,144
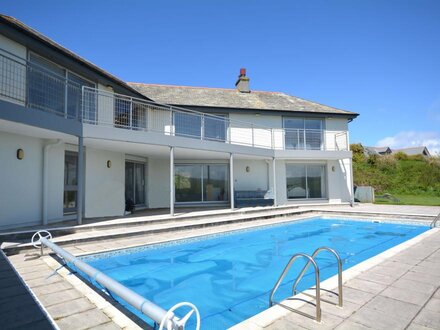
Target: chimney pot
x,y
242,83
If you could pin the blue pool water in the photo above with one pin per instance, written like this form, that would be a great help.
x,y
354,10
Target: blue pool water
x,y
229,277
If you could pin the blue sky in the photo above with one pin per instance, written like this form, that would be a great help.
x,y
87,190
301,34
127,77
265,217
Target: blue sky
x,y
378,58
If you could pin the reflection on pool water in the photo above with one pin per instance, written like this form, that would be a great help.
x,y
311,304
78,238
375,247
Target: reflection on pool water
x,y
229,277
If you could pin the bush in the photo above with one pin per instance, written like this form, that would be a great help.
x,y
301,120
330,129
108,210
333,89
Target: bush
x,y
373,160
358,152
387,163
401,155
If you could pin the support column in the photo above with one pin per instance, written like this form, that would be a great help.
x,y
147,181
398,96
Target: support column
x,y
274,172
351,183
231,179
172,184
80,192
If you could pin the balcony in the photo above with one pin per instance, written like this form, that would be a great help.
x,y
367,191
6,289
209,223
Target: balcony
x,y
34,87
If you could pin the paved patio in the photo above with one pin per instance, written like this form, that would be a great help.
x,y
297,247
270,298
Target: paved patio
x,y
401,292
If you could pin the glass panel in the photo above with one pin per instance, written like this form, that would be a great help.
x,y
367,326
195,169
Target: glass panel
x,y
296,181
70,181
313,134
215,128
74,98
122,113
46,85
140,115
187,124
129,182
139,184
316,181
294,133
216,183
69,200
188,183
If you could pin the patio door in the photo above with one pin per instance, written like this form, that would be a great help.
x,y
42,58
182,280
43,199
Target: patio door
x,y
70,181
135,182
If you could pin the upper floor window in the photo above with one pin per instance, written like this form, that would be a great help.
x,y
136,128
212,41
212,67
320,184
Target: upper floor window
x,y
210,127
303,133
53,88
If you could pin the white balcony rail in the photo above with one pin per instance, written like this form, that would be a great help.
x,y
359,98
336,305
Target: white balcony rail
x,y
33,86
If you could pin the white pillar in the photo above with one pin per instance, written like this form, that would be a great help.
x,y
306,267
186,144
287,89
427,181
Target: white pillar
x,y
172,187
80,192
231,179
351,183
274,172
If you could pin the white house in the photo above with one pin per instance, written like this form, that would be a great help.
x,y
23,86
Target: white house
x,y
76,141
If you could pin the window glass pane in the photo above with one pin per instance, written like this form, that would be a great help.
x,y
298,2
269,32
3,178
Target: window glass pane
x,y
188,183
129,181
313,123
139,184
216,183
187,124
46,85
296,181
316,181
215,128
70,181
295,123
122,113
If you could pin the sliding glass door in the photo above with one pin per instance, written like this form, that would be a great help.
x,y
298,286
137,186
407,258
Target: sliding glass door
x,y
70,181
305,181
197,183
135,183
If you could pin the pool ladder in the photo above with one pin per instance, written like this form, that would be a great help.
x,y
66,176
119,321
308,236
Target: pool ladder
x,y
317,296
434,222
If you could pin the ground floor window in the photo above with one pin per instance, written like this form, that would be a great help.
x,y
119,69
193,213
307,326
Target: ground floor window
x,y
305,181
201,182
70,181
135,183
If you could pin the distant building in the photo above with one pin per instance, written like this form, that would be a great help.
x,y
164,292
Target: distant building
x,y
377,151
413,151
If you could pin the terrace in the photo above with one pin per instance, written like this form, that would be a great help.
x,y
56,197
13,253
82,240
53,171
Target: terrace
x,y
30,84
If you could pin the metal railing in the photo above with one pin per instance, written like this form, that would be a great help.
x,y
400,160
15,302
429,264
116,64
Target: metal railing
x,y
434,222
310,261
33,86
162,317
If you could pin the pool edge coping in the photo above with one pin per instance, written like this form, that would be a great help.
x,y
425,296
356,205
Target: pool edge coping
x,y
276,312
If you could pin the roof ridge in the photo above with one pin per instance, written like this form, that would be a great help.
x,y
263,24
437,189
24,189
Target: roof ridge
x,y
201,87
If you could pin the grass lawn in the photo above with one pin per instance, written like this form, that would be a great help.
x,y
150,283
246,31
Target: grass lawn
x,y
412,200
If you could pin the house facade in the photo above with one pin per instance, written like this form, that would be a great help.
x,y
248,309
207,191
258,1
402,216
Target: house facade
x,y
76,141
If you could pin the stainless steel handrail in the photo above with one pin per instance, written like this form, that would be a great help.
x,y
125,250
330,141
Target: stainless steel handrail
x,y
434,222
146,307
317,284
338,258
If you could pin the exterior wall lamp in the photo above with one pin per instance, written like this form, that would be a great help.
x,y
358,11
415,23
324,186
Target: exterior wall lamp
x,y
248,169
20,154
109,163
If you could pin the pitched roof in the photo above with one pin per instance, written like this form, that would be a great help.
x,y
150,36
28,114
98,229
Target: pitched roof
x,y
413,151
12,21
232,98
378,149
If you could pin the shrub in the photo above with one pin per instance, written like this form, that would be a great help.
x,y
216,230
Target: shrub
x,y
358,152
372,159
387,163
401,155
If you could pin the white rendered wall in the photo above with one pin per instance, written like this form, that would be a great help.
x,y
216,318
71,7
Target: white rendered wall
x,y
158,183
255,179
20,180
55,198
104,187
332,127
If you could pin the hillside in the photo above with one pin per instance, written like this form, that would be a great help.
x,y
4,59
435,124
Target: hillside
x,y
413,180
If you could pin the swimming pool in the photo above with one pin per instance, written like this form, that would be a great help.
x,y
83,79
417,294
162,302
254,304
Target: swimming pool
x,y
229,276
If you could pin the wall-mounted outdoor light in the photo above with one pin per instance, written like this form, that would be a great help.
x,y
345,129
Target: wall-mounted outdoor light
x,y
20,154
109,163
333,168
248,169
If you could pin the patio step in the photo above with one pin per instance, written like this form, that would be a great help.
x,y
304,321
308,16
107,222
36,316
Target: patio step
x,y
64,236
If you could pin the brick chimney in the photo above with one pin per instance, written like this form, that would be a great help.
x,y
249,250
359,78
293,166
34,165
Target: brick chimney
x,y
242,83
